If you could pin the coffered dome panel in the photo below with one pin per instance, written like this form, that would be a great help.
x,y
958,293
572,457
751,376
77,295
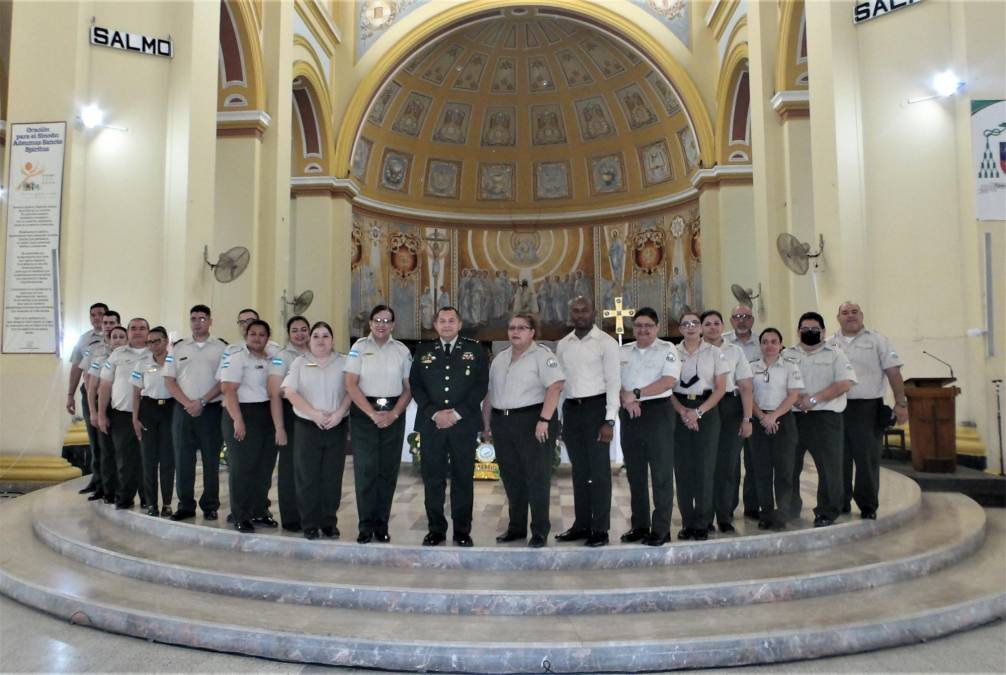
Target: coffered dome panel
x,y
525,112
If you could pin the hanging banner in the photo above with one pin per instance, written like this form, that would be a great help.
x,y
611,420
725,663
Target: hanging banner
x,y
34,199
988,149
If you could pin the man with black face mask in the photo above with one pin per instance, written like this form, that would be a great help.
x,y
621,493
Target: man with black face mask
x,y
827,376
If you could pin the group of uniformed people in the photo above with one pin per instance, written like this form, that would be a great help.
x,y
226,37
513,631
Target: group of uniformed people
x,y
686,411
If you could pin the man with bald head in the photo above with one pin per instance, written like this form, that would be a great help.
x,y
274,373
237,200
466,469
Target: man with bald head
x,y
864,418
742,335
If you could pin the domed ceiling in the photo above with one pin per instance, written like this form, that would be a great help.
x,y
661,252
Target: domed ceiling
x,y
525,113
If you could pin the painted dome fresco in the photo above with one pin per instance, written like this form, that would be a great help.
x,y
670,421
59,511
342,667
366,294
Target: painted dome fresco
x,y
525,112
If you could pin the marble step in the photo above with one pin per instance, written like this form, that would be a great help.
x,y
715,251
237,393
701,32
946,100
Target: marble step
x,y
900,502
947,528
958,597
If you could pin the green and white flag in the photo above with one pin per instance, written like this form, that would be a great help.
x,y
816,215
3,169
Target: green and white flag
x,y
988,142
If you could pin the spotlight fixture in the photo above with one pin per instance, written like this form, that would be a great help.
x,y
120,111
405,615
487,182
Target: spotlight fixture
x,y
945,84
93,117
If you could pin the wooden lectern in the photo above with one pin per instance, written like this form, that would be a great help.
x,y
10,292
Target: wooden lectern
x,y
932,422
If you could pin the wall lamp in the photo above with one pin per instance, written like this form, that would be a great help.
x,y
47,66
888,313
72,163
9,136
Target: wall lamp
x,y
945,84
93,117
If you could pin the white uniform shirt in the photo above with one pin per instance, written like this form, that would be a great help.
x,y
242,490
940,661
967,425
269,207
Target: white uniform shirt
x,y
194,365
382,369
92,354
751,346
740,368
118,370
279,364
522,383
271,350
148,377
870,355
592,367
323,386
772,384
88,339
707,362
251,374
820,369
642,367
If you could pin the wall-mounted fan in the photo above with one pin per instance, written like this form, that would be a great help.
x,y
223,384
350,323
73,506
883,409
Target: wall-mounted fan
x,y
745,296
796,254
230,264
299,304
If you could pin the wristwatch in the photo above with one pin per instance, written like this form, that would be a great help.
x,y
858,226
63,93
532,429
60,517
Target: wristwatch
x,y
637,393
202,402
698,413
745,419
610,423
543,419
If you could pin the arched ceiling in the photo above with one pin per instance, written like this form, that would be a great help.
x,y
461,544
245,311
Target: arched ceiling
x,y
525,112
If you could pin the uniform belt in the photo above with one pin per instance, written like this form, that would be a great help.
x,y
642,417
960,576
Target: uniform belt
x,y
514,411
157,401
735,392
654,401
585,399
692,400
383,402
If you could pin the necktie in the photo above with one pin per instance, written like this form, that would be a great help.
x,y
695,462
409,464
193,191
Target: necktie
x,y
447,348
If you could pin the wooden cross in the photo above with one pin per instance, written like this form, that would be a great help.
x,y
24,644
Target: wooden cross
x,y
619,314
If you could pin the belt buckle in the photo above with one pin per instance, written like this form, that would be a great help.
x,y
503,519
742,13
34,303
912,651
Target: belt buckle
x,y
506,413
382,403
161,401
692,397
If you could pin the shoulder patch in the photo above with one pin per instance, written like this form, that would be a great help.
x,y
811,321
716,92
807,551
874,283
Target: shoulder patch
x,y
552,363
353,353
136,375
277,361
169,358
108,364
671,357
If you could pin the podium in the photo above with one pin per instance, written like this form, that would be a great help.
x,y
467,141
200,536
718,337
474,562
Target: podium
x,y
932,422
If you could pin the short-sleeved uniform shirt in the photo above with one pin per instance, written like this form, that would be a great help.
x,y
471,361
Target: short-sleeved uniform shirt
x,y
642,367
870,354
382,368
271,350
740,368
820,369
522,383
87,340
148,377
279,364
751,346
700,369
591,365
118,369
194,365
249,372
323,385
772,384
93,354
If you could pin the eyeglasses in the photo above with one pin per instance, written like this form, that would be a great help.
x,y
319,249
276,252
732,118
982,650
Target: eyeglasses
x,y
199,319
810,330
689,324
382,321
740,317
518,328
155,341
644,326
244,322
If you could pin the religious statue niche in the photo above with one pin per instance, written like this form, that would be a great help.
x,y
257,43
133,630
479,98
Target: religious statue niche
x,y
546,125
500,127
594,118
636,107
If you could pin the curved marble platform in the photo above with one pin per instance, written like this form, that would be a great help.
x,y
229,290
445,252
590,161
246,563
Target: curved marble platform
x,y
932,564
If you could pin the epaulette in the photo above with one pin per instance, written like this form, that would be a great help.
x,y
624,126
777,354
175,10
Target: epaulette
x,y
176,342
223,340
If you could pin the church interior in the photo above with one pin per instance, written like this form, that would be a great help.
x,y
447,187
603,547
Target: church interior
x,y
502,156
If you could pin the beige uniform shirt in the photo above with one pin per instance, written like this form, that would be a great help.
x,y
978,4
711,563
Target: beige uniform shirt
x,y
194,365
740,368
641,367
382,370
323,386
592,367
522,383
249,372
88,339
751,346
820,369
271,350
772,384
870,355
707,362
118,370
92,354
148,377
279,364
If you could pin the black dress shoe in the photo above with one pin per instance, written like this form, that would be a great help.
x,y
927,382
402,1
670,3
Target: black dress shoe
x,y
510,535
143,505
245,527
182,514
165,511
109,500
537,541
265,521
700,534
752,514
597,538
332,532
573,534
382,537
311,533
868,515
764,524
292,527
686,534
365,538
121,506
778,527
464,540
96,496
210,515
635,534
847,508
434,539
153,511
656,539
727,528
88,488
230,518
821,521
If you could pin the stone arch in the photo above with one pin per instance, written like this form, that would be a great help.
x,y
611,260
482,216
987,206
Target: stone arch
x,y
601,14
791,55
312,112
733,106
241,86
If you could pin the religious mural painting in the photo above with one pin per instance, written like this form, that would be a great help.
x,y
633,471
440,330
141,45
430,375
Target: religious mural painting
x,y
441,66
594,118
453,124
655,162
636,107
607,174
496,181
471,74
547,127
504,76
395,170
489,272
361,157
443,178
603,57
665,94
500,127
383,102
549,29
572,67
690,147
412,115
552,180
539,75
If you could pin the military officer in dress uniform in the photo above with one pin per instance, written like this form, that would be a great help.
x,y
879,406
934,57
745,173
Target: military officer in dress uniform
x,y
90,338
116,392
449,378
697,394
589,357
777,386
735,421
827,377
316,387
377,381
190,375
247,419
525,382
95,360
742,335
650,369
298,332
873,358
152,411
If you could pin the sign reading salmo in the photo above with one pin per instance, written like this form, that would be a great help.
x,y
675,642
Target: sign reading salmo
x,y
871,9
131,42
